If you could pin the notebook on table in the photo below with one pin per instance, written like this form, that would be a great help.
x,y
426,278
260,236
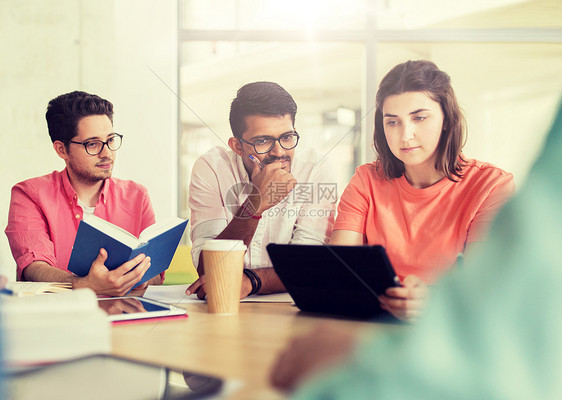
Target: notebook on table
x,y
338,280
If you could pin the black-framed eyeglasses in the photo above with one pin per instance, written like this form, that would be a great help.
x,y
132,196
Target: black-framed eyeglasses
x,y
95,146
263,145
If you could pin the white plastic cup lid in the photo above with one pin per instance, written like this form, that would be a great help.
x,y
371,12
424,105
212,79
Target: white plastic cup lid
x,y
224,245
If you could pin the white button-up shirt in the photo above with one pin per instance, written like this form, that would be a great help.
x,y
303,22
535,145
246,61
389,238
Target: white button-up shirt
x,y
220,185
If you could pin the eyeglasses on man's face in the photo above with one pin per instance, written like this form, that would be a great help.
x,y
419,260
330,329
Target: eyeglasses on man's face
x,y
264,144
95,146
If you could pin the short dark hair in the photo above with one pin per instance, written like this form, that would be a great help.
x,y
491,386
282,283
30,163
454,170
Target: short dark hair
x,y
65,111
422,76
260,98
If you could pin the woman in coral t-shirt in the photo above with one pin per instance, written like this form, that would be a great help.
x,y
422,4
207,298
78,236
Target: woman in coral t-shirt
x,y
421,199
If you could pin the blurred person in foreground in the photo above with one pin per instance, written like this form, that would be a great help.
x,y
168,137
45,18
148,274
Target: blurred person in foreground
x,y
492,330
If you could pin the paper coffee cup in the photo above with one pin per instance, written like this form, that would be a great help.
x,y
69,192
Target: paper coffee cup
x,y
223,261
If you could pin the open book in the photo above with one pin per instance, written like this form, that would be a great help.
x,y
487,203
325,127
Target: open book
x,y
158,241
54,327
35,288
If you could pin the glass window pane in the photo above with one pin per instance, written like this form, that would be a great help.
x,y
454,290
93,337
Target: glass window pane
x,y
509,95
325,79
475,14
512,14
273,14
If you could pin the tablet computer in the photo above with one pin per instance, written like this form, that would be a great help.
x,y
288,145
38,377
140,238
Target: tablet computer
x,y
339,280
108,377
122,309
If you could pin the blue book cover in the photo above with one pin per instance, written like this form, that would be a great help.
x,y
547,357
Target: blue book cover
x,y
159,242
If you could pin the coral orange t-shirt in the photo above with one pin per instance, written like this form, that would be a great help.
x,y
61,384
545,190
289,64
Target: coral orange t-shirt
x,y
423,230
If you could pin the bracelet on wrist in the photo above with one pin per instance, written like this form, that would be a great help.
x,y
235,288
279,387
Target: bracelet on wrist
x,y
252,277
255,281
258,280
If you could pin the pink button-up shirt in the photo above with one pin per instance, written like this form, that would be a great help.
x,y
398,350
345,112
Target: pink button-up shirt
x,y
44,216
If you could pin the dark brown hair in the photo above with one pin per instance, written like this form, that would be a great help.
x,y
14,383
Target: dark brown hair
x,y
422,76
260,98
65,112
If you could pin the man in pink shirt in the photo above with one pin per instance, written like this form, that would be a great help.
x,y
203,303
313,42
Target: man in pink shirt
x,y
45,211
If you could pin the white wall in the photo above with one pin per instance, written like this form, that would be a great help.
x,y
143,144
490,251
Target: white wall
x,y
50,47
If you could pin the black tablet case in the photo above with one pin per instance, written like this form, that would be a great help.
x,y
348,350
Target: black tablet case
x,y
339,280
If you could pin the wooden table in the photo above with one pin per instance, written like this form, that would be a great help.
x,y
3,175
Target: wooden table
x,y
243,347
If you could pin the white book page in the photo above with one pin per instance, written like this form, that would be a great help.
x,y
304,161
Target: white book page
x,y
159,227
175,294
268,298
79,299
38,288
112,230
170,294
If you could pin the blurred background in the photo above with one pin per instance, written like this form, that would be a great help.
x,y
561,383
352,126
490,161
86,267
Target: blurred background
x,y
172,67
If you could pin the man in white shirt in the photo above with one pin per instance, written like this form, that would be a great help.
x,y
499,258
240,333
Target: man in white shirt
x,y
263,190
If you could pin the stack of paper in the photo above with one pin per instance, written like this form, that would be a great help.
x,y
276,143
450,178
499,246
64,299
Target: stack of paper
x,y
35,288
56,327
